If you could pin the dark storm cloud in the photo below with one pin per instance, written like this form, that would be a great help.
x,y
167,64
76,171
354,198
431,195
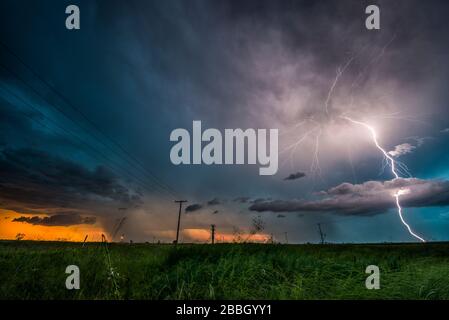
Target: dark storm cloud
x,y
57,220
294,176
32,179
214,202
368,198
338,32
235,34
209,59
193,207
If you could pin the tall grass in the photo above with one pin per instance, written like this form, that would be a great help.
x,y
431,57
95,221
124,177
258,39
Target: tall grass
x,y
35,270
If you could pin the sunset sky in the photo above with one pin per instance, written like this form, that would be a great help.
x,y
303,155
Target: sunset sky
x,y
86,116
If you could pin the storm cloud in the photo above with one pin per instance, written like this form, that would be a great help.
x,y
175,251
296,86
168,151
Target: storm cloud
x,y
193,207
57,220
295,176
213,202
368,198
33,180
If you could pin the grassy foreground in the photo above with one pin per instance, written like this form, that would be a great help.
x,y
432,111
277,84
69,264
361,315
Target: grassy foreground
x,y
36,270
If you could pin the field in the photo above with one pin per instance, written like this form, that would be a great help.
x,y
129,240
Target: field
x,y
36,270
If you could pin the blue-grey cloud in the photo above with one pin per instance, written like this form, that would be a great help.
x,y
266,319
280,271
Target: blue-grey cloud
x,y
295,176
213,202
368,198
193,207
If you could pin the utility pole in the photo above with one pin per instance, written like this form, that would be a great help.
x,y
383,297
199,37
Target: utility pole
x,y
179,219
322,235
212,231
85,239
286,237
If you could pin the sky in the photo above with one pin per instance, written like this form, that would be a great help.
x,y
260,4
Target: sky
x,y
86,117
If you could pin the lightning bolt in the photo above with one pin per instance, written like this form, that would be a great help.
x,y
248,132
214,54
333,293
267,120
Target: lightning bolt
x,y
315,167
394,171
397,168
340,72
396,195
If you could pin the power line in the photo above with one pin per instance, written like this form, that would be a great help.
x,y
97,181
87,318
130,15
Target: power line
x,y
68,117
71,133
92,124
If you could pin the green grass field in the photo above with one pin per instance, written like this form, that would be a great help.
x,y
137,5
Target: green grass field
x,y
36,270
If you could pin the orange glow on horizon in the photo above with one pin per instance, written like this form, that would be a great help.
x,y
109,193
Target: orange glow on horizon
x,y
77,233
